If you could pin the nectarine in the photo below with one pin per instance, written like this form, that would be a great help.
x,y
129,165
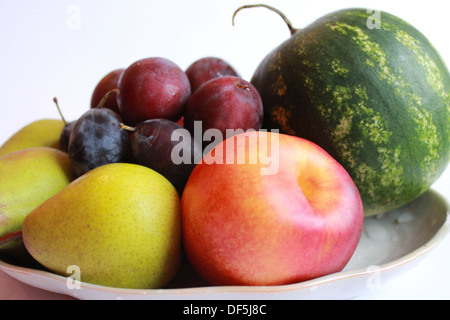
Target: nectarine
x,y
241,227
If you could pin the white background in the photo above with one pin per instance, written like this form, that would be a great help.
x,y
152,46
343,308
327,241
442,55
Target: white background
x,y
63,48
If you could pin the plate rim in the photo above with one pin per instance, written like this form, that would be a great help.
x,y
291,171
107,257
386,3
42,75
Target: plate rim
x,y
441,233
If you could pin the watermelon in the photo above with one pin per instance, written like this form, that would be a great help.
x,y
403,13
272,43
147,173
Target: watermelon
x,y
373,93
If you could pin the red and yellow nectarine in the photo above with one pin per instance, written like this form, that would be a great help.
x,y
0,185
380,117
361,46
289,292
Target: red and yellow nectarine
x,y
241,227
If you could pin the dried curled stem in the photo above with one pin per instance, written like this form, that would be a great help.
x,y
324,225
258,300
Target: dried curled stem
x,y
281,14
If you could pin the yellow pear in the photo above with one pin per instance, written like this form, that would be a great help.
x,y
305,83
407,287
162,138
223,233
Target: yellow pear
x,y
40,133
28,177
119,225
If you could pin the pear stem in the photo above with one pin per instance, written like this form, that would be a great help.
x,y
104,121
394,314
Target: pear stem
x,y
55,100
128,128
10,237
105,97
281,14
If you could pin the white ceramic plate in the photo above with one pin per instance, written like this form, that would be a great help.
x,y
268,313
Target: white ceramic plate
x,y
390,245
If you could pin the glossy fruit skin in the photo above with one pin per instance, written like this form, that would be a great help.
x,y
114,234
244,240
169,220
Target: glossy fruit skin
x,y
152,147
223,103
376,100
244,228
152,88
106,84
206,69
96,140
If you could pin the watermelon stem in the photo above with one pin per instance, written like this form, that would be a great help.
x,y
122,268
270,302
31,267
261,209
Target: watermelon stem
x,y
281,14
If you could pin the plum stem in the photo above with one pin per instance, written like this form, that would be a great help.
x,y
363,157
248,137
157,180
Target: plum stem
x,y
128,128
281,14
105,97
55,100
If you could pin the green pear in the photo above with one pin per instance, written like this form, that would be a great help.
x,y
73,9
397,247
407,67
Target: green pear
x,y
41,133
119,225
28,177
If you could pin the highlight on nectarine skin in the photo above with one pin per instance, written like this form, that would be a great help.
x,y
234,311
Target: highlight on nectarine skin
x,y
244,228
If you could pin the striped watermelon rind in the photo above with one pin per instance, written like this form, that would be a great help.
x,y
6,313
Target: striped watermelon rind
x,y
376,99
